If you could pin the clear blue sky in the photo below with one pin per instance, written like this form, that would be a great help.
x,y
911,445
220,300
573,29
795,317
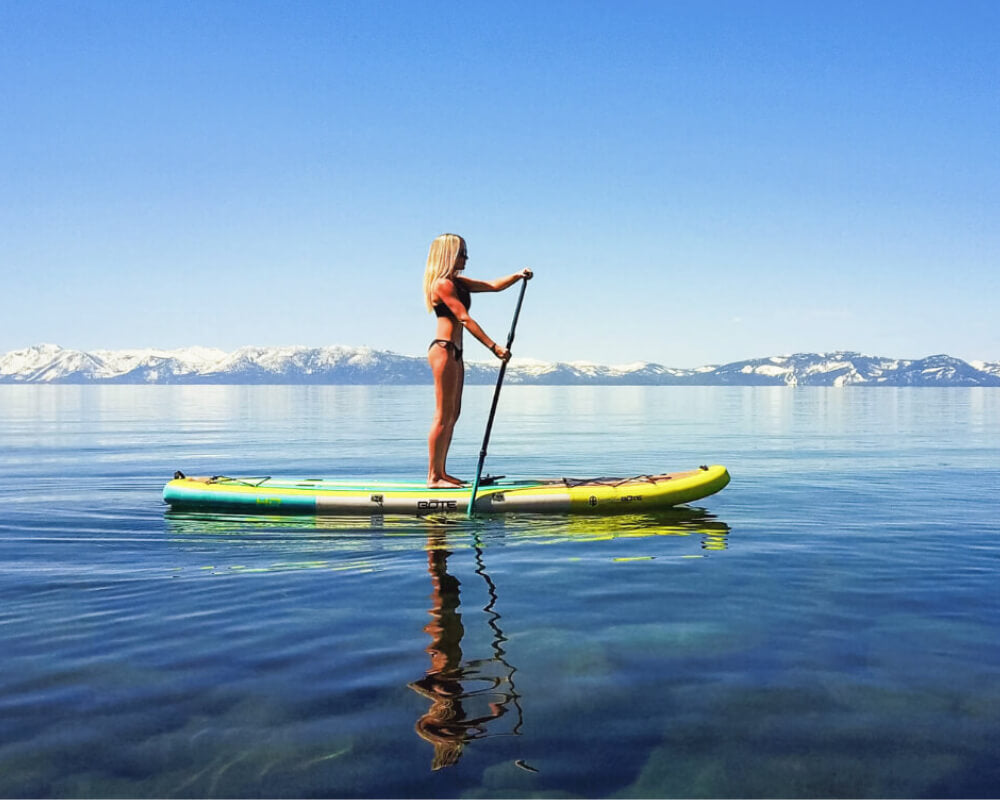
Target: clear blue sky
x,y
693,182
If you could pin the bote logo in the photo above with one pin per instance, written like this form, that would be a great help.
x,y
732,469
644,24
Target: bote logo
x,y
437,505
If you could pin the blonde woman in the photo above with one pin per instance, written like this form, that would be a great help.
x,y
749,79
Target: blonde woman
x,y
448,294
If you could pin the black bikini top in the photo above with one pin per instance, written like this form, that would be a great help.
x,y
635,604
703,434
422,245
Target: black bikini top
x,y
464,297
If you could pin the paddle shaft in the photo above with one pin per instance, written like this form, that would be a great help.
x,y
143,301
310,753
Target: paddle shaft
x,y
496,397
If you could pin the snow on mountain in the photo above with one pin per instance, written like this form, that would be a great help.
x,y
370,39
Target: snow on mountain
x,y
46,363
29,361
49,363
990,368
338,364
154,365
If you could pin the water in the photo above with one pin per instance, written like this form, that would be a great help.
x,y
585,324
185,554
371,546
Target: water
x,y
826,626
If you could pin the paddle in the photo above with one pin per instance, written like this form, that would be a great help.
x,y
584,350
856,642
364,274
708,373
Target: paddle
x,y
496,397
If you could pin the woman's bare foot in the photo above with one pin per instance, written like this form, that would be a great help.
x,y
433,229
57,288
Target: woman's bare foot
x,y
447,482
456,481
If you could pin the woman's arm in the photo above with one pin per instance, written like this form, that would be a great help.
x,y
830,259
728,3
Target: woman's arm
x,y
494,286
445,290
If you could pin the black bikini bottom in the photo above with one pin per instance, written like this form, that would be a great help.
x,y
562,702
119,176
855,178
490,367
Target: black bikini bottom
x,y
448,345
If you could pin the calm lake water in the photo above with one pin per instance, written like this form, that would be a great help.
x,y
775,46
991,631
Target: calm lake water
x,y
828,625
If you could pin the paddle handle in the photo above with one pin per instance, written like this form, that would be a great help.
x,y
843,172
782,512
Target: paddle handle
x,y
496,398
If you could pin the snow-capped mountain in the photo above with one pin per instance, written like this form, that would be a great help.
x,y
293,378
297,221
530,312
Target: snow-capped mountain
x,y
987,367
48,363
849,369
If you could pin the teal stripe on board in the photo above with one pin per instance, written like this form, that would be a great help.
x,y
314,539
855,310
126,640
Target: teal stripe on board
x,y
289,502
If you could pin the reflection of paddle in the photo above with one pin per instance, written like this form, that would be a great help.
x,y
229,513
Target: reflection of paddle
x,y
496,397
498,637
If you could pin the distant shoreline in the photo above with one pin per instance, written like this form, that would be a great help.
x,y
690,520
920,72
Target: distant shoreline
x,y
363,366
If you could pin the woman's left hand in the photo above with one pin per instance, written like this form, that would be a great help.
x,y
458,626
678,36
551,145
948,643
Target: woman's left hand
x,y
527,274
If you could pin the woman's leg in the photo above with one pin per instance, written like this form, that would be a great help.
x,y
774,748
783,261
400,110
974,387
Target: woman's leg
x,y
456,408
448,376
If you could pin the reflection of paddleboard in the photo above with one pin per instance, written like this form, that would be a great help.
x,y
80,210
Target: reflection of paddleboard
x,y
559,495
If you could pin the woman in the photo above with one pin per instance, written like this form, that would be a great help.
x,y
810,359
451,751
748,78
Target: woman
x,y
448,294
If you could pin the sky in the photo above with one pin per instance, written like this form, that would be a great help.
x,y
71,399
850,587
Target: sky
x,y
692,182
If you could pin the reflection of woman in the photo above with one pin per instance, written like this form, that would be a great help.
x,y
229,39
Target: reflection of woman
x,y
447,724
448,294
441,685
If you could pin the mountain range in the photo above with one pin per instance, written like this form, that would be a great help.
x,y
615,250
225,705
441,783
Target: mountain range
x,y
52,364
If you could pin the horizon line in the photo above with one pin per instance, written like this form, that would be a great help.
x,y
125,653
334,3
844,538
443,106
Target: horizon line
x,y
487,362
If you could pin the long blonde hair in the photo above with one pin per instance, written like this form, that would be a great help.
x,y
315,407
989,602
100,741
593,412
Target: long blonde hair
x,y
441,261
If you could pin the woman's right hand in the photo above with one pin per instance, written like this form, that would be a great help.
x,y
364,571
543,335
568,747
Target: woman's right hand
x,y
501,352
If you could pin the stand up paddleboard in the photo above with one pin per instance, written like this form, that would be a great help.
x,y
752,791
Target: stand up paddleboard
x,y
494,495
